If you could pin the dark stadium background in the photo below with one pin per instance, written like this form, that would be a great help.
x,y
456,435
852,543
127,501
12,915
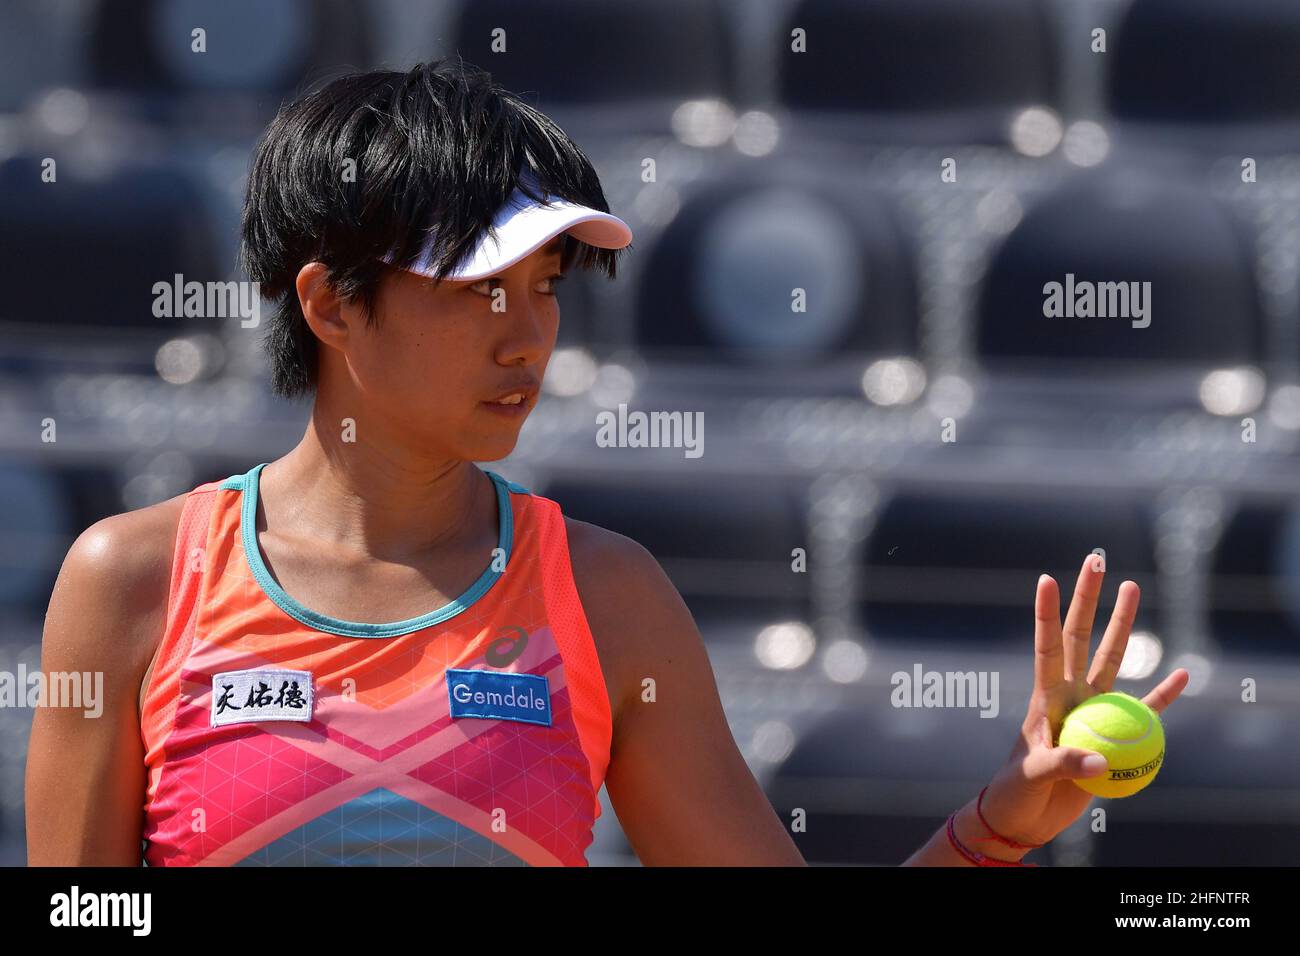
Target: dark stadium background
x,y
1173,447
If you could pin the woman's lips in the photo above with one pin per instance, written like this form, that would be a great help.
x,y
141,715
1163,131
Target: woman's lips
x,y
518,410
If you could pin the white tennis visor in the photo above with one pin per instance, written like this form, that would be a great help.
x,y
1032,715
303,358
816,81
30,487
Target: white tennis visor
x,y
523,225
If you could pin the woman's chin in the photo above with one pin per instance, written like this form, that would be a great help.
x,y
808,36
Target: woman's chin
x,y
493,450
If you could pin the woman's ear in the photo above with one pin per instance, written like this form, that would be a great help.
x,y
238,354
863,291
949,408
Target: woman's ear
x,y
321,305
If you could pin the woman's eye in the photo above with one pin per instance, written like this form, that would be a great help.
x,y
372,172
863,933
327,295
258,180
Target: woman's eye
x,y
484,286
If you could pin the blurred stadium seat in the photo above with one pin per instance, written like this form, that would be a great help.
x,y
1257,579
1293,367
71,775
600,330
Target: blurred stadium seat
x,y
1254,592
948,71
571,57
718,283
80,259
1123,227
1207,62
959,566
252,45
256,50
726,542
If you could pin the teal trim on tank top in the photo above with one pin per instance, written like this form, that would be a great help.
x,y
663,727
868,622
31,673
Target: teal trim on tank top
x,y
248,483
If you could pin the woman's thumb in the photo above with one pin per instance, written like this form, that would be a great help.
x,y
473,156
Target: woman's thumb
x,y
1066,763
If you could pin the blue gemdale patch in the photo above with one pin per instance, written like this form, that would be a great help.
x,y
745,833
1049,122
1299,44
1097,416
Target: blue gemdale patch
x,y
500,695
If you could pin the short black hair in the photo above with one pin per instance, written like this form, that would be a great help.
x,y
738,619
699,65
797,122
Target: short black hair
x,y
439,147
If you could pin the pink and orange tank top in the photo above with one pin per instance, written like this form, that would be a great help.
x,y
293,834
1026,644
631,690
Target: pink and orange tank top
x,y
476,734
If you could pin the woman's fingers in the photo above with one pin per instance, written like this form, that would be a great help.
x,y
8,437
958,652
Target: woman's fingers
x,y
1079,618
1110,653
1167,691
1049,670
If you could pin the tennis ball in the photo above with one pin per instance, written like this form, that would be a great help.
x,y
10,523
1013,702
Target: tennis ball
x,y
1123,730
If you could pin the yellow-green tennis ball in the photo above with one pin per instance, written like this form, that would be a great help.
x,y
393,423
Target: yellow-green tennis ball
x,y
1123,730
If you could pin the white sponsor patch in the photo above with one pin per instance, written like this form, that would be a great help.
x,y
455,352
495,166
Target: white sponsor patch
x,y
261,694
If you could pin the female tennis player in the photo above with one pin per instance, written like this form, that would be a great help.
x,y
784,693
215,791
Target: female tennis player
x,y
370,650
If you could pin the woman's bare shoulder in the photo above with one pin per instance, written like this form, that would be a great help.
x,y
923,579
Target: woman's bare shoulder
x,y
85,777
623,588
109,603
610,570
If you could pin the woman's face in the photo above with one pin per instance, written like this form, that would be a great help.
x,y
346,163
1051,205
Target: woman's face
x,y
440,354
